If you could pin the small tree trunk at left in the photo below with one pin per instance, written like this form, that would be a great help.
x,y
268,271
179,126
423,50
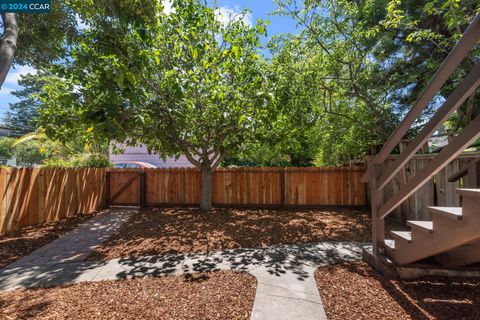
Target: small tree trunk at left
x,y
206,192
8,44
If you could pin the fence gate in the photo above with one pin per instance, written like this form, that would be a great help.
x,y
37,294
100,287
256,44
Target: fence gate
x,y
126,188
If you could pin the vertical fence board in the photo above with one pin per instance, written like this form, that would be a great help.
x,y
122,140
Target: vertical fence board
x,y
31,196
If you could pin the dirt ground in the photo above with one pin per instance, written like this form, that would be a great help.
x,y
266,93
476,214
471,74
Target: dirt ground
x,y
355,291
179,230
218,295
22,242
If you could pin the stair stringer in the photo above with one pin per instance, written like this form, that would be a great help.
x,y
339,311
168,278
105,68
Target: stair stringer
x,y
448,234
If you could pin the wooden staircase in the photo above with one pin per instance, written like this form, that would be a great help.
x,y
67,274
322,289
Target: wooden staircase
x,y
452,228
453,234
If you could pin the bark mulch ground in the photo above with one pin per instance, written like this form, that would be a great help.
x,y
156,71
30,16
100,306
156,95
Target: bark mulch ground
x,y
355,291
218,295
22,242
160,231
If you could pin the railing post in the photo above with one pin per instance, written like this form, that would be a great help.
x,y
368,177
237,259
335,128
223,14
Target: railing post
x,y
472,179
376,200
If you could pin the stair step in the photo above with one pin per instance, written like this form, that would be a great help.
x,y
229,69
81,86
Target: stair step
x,y
450,212
390,244
426,226
469,192
405,235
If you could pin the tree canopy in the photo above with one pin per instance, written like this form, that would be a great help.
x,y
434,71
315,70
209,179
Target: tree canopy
x,y
184,81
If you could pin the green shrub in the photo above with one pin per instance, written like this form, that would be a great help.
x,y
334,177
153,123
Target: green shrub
x,y
29,153
6,148
57,163
91,160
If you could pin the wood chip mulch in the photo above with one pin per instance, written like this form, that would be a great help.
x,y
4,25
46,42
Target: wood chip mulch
x,y
22,242
218,295
355,291
160,231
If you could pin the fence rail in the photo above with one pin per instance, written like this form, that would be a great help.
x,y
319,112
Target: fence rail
x,y
34,196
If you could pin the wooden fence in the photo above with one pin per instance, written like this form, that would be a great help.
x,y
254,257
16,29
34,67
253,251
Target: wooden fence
x,y
240,187
33,196
437,192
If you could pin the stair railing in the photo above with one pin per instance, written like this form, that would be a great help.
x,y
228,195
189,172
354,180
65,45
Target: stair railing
x,y
379,175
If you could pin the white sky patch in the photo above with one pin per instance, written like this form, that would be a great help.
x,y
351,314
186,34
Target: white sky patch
x,y
227,14
167,6
16,73
80,23
11,84
6,91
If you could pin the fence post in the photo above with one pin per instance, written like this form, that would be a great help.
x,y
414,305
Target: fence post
x,y
376,196
143,189
282,186
107,189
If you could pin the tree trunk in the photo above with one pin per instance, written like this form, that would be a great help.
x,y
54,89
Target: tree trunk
x,y
8,44
206,192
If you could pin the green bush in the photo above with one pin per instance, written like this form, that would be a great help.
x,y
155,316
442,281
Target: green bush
x,y
29,153
89,160
6,148
92,160
57,163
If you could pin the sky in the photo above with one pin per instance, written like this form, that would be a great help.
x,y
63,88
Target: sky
x,y
260,9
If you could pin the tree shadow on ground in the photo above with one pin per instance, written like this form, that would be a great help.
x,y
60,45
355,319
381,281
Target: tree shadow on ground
x,y
184,230
424,298
298,262
20,243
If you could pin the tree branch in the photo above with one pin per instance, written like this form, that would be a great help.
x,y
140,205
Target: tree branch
x,y
8,44
219,160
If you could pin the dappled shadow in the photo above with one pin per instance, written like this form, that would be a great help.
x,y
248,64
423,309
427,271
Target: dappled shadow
x,y
296,262
19,243
383,297
299,262
46,274
438,298
185,230
220,295
37,303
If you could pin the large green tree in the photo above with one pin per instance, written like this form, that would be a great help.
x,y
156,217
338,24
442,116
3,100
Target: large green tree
x,y
371,59
185,82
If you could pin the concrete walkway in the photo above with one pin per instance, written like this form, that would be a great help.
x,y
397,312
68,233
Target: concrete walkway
x,y
286,288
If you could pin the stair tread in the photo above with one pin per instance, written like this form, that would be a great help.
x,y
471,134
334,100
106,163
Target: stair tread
x,y
453,212
407,235
427,225
390,243
468,192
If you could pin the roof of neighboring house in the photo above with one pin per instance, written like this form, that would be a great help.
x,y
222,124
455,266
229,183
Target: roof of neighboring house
x,y
140,154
